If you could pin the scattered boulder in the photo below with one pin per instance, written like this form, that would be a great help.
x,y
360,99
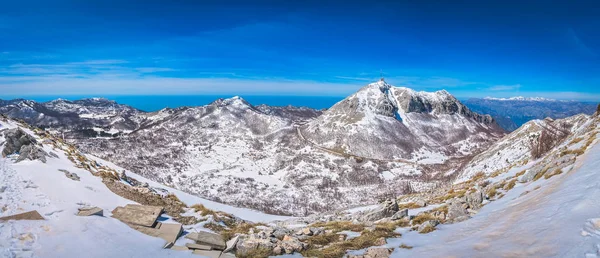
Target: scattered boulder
x,y
280,232
291,245
400,214
390,207
375,253
70,175
30,215
249,243
456,212
428,224
559,163
215,241
304,231
141,215
21,143
90,211
474,199
421,203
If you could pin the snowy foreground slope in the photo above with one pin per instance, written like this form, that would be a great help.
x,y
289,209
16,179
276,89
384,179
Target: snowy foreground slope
x,y
561,218
33,185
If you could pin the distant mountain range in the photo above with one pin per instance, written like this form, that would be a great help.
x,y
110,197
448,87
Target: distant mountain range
x,y
511,113
291,160
294,160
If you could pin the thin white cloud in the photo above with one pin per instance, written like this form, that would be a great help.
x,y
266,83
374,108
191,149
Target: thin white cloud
x,y
154,69
505,87
106,85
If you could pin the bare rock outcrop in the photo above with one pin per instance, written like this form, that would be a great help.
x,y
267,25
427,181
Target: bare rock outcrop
x,y
21,143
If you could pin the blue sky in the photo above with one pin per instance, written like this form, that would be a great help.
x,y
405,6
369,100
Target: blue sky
x,y
328,48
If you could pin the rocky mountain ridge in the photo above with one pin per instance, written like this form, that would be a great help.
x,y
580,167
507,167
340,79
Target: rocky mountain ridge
x,y
404,141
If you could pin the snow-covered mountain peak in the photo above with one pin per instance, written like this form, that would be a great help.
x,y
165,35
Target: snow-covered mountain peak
x,y
399,118
381,85
235,102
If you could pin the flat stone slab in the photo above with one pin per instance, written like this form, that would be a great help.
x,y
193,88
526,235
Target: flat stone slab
x,y
211,254
198,247
138,214
179,248
205,238
231,244
227,255
30,215
168,232
90,211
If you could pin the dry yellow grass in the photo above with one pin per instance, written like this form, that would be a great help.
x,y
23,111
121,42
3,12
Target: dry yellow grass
x,y
492,192
339,249
419,219
510,185
452,194
554,173
404,246
541,173
323,239
410,205
203,210
427,229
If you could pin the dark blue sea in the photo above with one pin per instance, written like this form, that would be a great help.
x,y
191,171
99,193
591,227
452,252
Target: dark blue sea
x,y
154,103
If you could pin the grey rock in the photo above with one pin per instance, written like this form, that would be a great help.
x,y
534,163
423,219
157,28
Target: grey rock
x,y
206,238
457,212
291,245
248,243
474,199
72,176
375,253
90,211
389,209
138,214
21,143
400,214
280,232
559,163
